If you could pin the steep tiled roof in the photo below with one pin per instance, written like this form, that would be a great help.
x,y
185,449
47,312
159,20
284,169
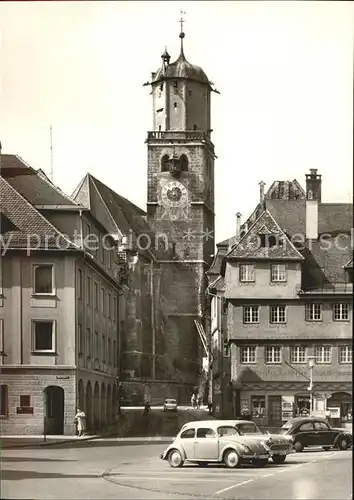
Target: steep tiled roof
x,y
28,229
104,202
250,247
31,184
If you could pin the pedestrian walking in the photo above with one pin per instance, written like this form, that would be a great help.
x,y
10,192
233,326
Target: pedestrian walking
x,y
80,421
193,400
199,399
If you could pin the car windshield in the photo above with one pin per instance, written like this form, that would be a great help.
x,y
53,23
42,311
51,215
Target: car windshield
x,y
284,429
170,401
248,428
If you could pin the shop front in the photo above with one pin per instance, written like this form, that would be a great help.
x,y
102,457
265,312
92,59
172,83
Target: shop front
x,y
340,408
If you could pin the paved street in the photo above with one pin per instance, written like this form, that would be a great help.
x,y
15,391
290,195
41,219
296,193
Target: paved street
x,y
108,469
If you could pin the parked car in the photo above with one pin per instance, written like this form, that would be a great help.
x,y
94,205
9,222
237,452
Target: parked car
x,y
279,444
170,405
215,441
312,431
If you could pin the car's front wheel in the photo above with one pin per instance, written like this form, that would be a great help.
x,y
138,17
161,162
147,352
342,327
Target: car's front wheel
x,y
343,444
175,459
231,459
279,459
298,446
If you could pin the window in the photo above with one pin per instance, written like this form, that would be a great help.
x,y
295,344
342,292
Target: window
x,y
267,241
226,350
96,345
188,434
175,105
345,354
340,312
247,273
248,354
89,343
277,314
298,354
323,354
175,87
278,273
25,401
321,426
313,312
109,305
43,336
96,297
79,284
194,127
43,279
103,348
4,410
273,354
102,301
308,426
114,312
250,314
109,352
80,339
206,433
88,291
114,353
258,406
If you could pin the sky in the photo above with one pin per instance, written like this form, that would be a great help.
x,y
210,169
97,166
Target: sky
x,y
284,70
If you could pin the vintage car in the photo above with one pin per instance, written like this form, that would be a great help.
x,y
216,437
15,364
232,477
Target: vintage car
x,y
170,405
216,441
279,444
312,431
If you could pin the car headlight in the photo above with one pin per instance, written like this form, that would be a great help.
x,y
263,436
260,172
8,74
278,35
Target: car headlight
x,y
245,449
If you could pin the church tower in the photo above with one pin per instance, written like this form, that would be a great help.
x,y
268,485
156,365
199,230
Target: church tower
x,y
180,206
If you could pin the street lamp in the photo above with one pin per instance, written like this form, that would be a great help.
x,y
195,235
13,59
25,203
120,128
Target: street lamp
x,y
311,361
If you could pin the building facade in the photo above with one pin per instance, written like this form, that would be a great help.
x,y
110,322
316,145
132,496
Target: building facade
x,y
288,289
59,303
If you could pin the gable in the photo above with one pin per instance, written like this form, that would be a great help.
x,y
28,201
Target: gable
x,y
265,240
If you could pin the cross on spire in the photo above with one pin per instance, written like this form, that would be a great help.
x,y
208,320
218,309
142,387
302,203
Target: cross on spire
x,y
182,20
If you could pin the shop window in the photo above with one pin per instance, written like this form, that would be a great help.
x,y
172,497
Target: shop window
x,y
302,406
258,406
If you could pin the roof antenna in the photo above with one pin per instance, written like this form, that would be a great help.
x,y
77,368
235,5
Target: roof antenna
x,y
51,154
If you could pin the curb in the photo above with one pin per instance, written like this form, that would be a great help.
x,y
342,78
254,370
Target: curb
x,y
47,443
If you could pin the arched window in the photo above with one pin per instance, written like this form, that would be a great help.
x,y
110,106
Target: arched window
x,y
4,407
165,163
183,160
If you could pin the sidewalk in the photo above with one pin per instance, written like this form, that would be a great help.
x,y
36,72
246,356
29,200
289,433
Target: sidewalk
x,y
8,442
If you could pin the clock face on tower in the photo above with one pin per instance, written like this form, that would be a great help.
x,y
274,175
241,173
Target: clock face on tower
x,y
174,194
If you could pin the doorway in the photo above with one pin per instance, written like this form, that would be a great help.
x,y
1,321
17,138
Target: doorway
x,y
53,398
274,411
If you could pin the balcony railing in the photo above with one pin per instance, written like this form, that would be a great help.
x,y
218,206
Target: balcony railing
x,y
182,135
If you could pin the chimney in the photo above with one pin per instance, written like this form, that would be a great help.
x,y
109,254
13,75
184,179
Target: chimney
x,y
261,191
313,185
238,226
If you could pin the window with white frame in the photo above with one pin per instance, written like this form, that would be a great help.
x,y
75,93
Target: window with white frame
x,y
323,354
313,311
278,314
251,314
298,354
248,354
273,354
43,336
43,277
247,273
278,273
341,312
345,354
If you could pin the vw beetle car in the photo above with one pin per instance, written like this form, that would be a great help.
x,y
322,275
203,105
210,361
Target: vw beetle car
x,y
312,431
280,445
215,441
170,405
